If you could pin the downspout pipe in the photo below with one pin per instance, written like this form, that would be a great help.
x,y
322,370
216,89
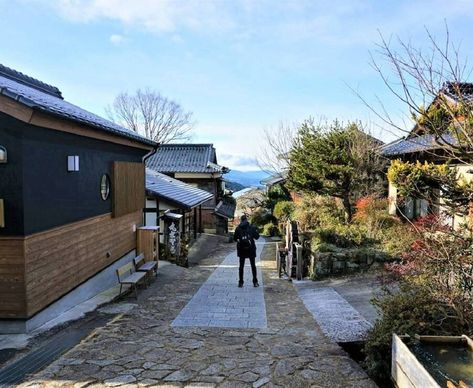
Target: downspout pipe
x,y
143,160
150,153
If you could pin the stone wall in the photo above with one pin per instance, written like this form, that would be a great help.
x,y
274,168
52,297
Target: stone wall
x,y
343,261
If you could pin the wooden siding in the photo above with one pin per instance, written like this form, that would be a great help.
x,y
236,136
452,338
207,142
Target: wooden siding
x,y
12,280
2,214
58,260
128,187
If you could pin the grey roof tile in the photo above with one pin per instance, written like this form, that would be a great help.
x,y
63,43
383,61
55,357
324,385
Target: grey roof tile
x,y
41,96
275,178
415,144
459,91
174,190
192,158
226,209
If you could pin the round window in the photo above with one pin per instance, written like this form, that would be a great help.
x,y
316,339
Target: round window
x,y
105,187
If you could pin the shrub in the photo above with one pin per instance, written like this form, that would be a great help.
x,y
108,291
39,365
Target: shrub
x,y
261,217
283,210
317,244
315,212
276,193
270,229
412,310
342,236
436,291
372,213
397,239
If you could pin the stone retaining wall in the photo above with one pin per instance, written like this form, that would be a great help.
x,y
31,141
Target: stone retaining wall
x,y
342,261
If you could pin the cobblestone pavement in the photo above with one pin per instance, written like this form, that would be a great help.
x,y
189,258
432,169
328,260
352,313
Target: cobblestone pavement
x,y
218,303
336,317
141,347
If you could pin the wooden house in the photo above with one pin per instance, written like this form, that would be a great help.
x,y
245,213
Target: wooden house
x,y
420,145
72,192
166,194
196,165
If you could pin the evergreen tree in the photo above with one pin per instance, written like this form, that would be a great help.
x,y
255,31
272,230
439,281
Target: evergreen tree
x,y
336,160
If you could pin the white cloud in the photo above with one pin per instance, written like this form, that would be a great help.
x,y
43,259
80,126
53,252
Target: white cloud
x,y
334,22
153,15
117,40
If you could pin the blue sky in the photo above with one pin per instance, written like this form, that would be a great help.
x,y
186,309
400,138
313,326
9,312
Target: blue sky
x,y
240,66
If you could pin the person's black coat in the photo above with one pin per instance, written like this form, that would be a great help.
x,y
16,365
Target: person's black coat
x,y
246,227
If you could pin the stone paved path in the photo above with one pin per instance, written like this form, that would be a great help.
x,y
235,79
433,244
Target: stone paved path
x,y
219,303
337,318
140,347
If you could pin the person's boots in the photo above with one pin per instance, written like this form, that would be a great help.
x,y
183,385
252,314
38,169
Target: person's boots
x,y
255,283
240,283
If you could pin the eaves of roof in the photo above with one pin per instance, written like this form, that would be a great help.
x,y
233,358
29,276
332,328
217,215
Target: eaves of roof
x,y
175,191
45,98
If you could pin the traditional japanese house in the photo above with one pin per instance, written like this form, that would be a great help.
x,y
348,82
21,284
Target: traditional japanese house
x,y
421,145
72,192
196,165
166,194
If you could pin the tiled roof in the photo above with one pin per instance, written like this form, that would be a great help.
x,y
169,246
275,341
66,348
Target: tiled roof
x,y
274,179
193,158
241,192
225,209
38,95
415,144
456,90
175,191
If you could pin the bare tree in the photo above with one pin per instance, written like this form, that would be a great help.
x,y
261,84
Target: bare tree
x,y
153,115
274,155
431,84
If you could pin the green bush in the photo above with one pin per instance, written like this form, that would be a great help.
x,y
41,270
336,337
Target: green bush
x,y
317,245
343,236
412,310
397,238
261,217
276,193
270,230
316,212
283,210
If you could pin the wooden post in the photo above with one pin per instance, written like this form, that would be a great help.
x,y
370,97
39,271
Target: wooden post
x,y
299,261
278,260
200,219
195,223
183,212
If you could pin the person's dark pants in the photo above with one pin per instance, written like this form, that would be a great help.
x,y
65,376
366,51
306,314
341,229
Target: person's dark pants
x,y
253,268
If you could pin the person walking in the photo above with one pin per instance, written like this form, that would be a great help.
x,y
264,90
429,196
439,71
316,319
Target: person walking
x,y
245,236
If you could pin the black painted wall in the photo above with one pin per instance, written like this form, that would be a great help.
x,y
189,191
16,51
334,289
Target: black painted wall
x,y
50,195
11,180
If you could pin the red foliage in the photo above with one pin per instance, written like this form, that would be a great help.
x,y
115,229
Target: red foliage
x,y
362,207
402,269
432,223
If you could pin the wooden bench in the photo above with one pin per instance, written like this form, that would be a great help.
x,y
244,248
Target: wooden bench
x,y
148,267
128,276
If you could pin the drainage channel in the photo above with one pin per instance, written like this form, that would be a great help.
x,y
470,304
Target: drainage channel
x,y
37,359
356,351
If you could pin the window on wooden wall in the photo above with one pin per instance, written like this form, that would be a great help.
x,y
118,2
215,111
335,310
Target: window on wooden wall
x,y
128,187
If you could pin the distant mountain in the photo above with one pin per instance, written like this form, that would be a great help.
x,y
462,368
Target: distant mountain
x,y
246,178
233,186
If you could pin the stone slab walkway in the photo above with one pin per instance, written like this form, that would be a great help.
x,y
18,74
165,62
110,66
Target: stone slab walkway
x,y
141,347
336,317
220,303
